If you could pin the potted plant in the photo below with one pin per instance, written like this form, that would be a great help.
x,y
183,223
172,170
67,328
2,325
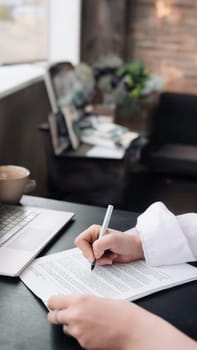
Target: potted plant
x,y
130,87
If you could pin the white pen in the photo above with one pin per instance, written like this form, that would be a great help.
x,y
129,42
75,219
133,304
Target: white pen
x,y
104,228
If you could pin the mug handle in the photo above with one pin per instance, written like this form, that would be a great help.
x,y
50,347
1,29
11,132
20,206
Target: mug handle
x,y
30,186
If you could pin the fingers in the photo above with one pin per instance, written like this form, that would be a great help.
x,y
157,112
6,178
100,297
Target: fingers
x,y
54,318
65,329
85,239
59,306
111,241
58,317
92,247
107,259
59,302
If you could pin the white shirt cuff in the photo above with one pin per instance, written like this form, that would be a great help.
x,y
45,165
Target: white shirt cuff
x,y
162,238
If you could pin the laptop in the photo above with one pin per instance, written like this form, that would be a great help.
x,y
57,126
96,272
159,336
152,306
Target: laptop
x,y
24,232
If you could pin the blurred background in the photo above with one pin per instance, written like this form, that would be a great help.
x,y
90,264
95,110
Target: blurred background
x,y
161,37
162,33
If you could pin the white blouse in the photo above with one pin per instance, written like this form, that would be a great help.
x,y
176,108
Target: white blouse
x,y
166,238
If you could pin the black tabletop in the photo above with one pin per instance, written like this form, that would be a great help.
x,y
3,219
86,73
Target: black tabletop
x,y
23,317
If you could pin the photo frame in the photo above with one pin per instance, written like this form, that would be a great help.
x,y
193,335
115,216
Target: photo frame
x,y
71,117
59,134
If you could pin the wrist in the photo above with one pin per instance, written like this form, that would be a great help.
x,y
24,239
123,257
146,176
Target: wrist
x,y
138,246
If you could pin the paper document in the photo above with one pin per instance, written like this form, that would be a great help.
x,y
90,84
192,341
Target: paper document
x,y
101,152
98,141
68,272
107,135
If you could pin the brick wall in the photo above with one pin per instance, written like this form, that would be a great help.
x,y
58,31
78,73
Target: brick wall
x,y
162,33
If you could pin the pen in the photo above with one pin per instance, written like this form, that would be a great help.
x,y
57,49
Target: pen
x,y
104,228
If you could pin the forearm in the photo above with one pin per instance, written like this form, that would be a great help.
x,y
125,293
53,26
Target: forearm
x,y
167,337
150,332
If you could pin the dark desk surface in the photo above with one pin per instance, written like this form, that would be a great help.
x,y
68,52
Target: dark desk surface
x,y
23,317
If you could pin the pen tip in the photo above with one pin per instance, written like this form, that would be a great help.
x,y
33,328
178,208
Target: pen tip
x,y
93,265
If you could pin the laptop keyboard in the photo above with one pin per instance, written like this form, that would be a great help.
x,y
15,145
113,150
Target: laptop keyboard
x,y
13,219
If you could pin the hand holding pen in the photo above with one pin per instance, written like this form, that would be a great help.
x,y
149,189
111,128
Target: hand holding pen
x,y
120,246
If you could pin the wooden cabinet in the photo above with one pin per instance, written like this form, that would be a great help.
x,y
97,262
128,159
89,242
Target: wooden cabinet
x,y
21,143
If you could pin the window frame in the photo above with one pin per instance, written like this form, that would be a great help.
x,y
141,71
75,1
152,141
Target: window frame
x,y
64,18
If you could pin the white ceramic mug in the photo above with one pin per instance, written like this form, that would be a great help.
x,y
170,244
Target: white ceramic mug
x,y
14,182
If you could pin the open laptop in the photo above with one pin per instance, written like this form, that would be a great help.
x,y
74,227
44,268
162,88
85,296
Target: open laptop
x,y
24,232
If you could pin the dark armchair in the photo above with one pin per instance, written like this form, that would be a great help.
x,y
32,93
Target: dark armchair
x,y
172,145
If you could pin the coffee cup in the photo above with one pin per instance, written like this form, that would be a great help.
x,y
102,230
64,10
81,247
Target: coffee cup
x,y
14,182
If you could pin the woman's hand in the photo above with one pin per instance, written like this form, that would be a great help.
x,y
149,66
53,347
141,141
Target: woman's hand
x,y
96,323
120,247
106,324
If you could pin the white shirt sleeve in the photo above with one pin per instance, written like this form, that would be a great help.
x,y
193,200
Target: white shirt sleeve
x,y
166,238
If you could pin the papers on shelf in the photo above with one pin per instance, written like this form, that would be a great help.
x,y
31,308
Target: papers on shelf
x,y
102,152
108,140
93,139
125,139
103,133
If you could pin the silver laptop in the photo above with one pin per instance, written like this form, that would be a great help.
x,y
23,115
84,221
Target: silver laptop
x,y
24,231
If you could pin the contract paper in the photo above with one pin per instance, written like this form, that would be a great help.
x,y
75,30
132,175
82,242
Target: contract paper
x,y
69,272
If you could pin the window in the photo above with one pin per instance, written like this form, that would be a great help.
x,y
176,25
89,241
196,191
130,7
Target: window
x,y
23,30
64,30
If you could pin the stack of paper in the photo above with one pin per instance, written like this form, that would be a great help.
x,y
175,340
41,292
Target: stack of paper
x,y
103,133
